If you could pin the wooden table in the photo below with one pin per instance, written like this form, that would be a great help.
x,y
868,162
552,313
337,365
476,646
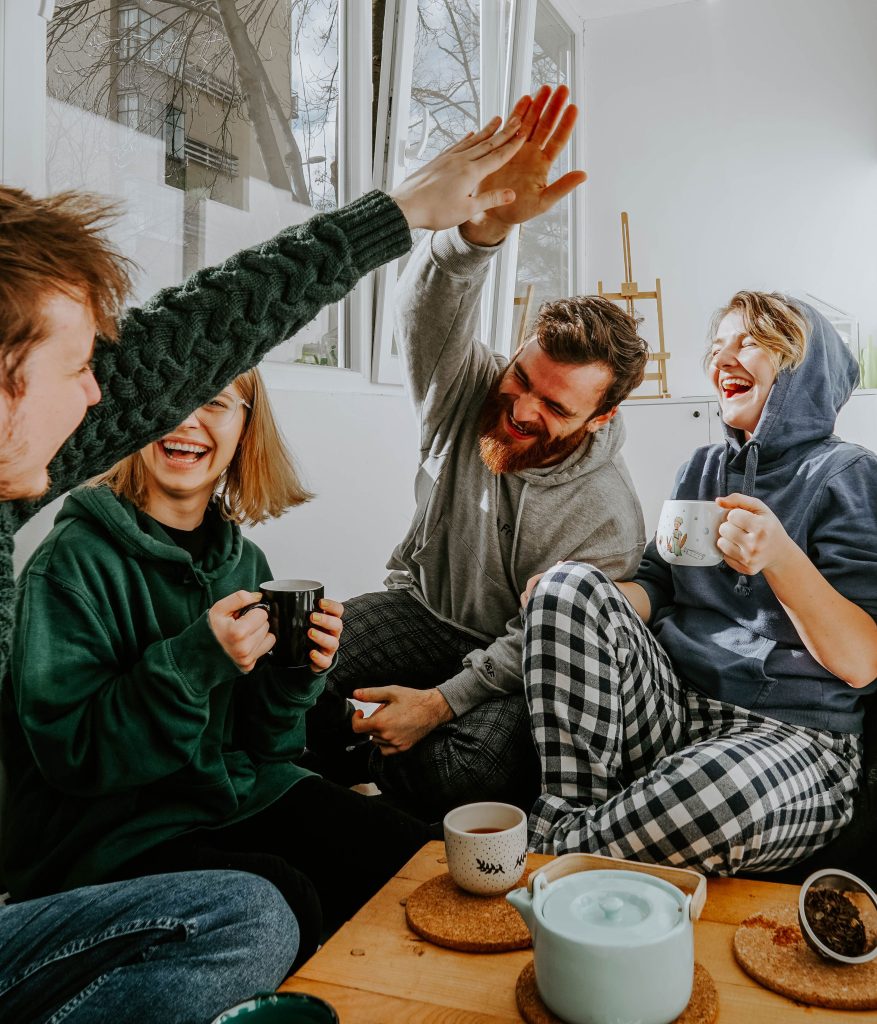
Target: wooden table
x,y
375,970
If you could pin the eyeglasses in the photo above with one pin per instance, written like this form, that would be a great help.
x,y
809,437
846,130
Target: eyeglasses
x,y
220,411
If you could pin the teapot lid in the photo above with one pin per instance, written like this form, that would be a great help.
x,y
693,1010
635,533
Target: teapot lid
x,y
614,908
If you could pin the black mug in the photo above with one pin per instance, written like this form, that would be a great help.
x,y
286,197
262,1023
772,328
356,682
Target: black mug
x,y
280,1008
289,605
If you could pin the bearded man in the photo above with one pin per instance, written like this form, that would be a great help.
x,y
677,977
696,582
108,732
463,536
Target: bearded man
x,y
520,466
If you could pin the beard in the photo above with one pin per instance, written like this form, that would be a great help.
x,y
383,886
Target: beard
x,y
503,455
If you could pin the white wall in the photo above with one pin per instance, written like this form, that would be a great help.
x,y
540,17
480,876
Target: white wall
x,y
357,452
741,137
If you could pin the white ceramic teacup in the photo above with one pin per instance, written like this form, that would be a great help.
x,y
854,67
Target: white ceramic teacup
x,y
486,846
688,531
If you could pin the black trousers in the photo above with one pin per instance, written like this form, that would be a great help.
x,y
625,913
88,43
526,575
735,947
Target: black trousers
x,y
327,849
485,754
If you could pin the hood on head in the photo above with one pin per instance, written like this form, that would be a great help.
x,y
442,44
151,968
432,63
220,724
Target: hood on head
x,y
804,403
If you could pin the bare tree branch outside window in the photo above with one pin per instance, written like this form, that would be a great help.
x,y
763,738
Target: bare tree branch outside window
x,y
224,64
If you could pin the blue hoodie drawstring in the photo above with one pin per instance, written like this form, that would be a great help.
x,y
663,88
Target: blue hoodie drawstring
x,y
726,458
742,587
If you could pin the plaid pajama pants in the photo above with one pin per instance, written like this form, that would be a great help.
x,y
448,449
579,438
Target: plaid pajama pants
x,y
636,765
486,753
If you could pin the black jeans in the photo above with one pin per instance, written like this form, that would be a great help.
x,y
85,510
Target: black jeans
x,y
485,754
327,849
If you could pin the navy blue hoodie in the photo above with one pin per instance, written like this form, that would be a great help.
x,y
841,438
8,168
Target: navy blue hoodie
x,y
735,642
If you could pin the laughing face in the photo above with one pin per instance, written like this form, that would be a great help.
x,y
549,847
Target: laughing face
x,y
742,372
539,411
184,466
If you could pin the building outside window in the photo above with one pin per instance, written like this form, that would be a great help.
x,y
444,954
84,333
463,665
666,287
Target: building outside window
x,y
216,124
189,115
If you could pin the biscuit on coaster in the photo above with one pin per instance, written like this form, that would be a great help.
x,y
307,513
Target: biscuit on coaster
x,y
770,948
702,1007
443,913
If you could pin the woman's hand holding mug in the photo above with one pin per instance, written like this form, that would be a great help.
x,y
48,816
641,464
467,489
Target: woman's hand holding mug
x,y
327,636
244,638
751,538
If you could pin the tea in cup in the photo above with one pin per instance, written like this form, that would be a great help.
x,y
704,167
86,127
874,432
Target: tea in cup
x,y
486,846
688,531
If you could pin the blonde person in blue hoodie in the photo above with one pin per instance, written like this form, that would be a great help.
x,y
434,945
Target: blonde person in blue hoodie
x,y
712,717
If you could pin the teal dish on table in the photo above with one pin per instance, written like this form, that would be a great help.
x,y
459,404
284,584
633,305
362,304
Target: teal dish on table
x,y
280,1008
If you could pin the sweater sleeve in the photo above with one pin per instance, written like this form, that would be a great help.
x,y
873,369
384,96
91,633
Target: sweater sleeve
x,y
97,724
272,703
186,344
655,576
438,306
843,542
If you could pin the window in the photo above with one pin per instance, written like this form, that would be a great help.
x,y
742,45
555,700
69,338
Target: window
x,y
174,134
214,131
454,64
147,101
545,255
441,47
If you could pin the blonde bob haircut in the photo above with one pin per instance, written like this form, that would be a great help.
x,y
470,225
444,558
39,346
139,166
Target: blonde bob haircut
x,y
773,322
260,482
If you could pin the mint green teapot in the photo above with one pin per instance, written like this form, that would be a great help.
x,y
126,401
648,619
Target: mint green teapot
x,y
613,940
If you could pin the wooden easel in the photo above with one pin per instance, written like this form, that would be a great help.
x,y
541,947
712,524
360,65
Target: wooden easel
x,y
628,294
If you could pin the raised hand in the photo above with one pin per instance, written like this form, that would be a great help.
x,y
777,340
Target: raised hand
x,y
547,122
449,189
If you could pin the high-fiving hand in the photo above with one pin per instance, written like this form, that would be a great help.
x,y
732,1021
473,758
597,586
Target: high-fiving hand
x,y
450,188
547,122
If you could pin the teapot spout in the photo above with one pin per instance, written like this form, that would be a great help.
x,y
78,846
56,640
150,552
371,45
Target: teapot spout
x,y
522,901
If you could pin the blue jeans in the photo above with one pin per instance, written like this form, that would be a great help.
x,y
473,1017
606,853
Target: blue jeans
x,y
175,949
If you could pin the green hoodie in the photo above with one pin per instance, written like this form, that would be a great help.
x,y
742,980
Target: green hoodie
x,y
134,726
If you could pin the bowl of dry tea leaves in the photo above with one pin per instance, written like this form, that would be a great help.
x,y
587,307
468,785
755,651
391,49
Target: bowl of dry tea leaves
x,y
837,913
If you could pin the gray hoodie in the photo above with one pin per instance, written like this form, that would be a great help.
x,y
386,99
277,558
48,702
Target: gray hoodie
x,y
476,537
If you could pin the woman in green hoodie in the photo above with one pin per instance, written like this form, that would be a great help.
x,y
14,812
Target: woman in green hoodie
x,y
150,736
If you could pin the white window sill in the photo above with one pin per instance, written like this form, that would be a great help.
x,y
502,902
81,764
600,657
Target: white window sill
x,y
300,377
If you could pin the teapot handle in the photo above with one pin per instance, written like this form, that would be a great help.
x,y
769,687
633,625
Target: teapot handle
x,y
690,882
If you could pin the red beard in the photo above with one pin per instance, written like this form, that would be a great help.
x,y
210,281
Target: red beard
x,y
503,455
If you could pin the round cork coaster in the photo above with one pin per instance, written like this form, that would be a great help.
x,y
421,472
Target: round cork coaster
x,y
442,912
703,1007
770,948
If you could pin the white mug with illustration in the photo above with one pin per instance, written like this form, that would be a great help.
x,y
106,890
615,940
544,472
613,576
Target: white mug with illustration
x,y
688,531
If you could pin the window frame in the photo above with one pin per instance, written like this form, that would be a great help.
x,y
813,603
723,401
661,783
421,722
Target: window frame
x,y
365,316
513,70
499,322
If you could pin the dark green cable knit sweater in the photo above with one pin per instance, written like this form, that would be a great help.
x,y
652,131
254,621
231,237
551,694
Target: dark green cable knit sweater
x,y
188,342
